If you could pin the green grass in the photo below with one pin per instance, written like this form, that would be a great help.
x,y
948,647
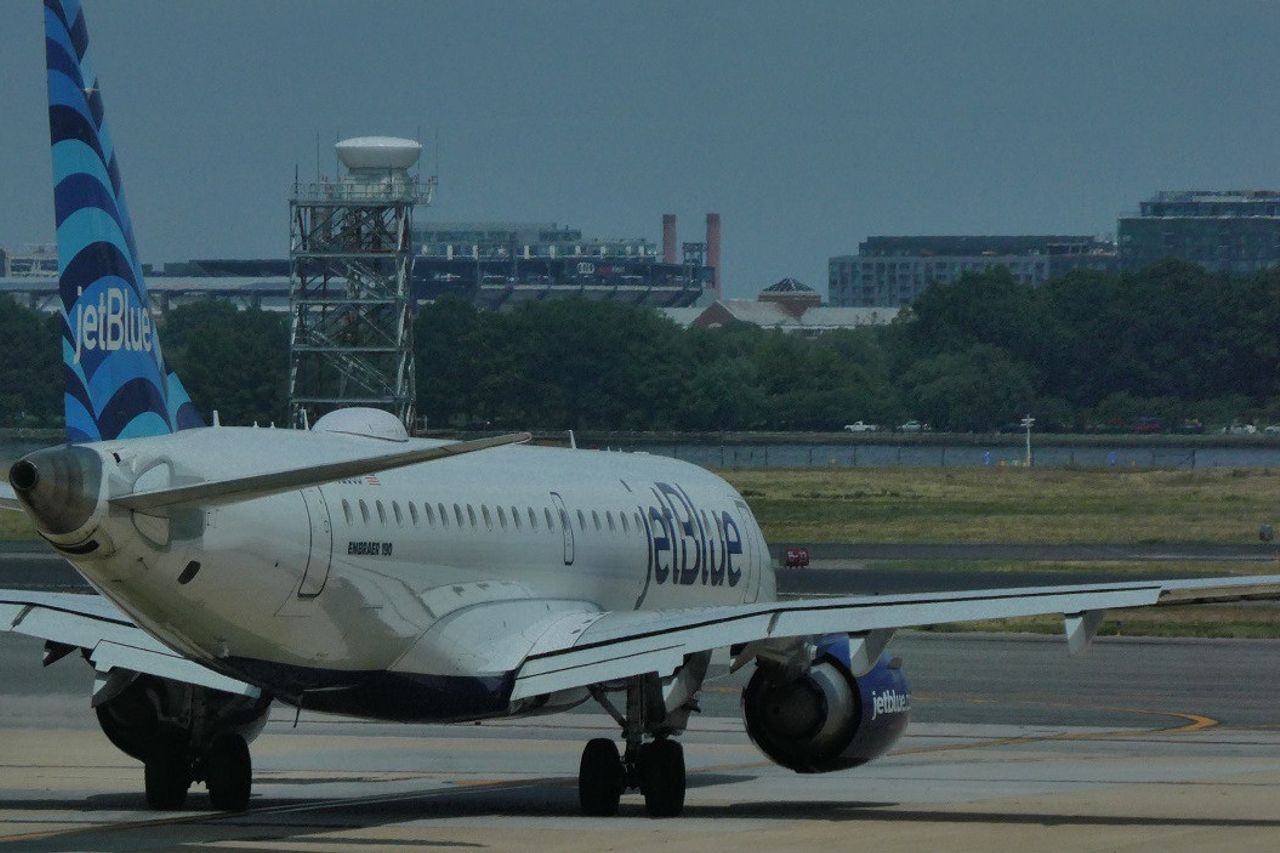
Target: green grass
x,y
1037,505
14,525
1010,505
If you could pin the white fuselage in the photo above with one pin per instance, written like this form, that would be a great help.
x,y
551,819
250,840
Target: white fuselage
x,y
312,591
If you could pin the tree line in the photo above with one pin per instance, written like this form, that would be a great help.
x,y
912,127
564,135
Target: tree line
x,y
1173,342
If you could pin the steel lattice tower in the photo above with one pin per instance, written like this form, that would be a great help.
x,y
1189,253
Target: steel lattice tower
x,y
351,262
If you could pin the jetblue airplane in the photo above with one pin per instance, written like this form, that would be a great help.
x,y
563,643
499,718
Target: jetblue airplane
x,y
352,569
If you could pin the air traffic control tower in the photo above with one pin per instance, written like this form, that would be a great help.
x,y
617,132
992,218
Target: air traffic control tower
x,y
350,260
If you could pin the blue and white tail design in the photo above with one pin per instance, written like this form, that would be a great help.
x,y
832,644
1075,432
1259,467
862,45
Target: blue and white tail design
x,y
117,385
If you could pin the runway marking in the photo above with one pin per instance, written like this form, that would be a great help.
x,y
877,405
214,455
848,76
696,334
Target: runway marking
x,y
1196,723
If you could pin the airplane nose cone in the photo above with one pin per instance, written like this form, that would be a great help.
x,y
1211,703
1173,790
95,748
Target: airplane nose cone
x,y
59,486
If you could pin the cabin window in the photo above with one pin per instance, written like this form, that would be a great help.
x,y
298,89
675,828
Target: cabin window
x,y
457,513
595,516
346,510
364,511
413,513
382,513
564,519
429,514
582,521
608,516
515,518
551,525
622,516
471,514
444,515
488,519
395,510
639,523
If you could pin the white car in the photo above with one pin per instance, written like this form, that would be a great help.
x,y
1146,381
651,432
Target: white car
x,y
1240,429
862,426
913,426
1273,429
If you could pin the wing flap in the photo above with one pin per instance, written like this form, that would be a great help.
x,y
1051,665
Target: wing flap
x,y
622,644
113,642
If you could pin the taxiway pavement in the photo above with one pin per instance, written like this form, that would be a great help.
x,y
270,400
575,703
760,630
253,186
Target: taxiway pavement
x,y
1141,744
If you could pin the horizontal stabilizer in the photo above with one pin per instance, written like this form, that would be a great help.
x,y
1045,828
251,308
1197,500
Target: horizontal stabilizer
x,y
236,489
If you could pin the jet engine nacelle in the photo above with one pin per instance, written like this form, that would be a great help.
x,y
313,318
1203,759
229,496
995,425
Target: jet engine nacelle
x,y
153,716
827,719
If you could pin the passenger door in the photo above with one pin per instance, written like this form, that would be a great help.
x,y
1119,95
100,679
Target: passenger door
x,y
566,526
751,551
320,557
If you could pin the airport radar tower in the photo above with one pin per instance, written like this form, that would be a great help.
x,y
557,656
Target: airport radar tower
x,y
351,259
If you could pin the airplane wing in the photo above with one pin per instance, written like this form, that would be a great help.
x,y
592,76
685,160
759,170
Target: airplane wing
x,y
232,490
615,645
109,640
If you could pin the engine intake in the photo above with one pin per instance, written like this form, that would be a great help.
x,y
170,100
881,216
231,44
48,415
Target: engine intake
x,y
827,719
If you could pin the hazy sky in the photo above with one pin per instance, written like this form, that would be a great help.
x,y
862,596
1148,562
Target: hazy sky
x,y
808,126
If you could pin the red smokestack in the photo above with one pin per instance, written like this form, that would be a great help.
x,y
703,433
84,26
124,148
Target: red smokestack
x,y
713,248
669,238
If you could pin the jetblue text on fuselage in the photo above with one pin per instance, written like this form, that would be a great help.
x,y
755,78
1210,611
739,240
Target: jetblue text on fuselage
x,y
115,322
688,545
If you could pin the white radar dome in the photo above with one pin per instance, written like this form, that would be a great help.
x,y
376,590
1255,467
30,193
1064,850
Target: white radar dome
x,y
374,423
378,152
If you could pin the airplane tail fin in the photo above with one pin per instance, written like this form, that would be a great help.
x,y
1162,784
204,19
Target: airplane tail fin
x,y
117,383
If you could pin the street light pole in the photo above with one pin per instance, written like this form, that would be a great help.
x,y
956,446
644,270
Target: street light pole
x,y
1026,423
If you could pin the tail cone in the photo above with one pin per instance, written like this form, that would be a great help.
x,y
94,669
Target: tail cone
x,y
59,486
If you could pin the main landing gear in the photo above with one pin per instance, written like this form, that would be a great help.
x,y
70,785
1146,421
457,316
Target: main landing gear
x,y
225,768
655,767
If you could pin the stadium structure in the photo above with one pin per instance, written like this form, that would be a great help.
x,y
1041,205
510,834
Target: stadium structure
x,y
493,265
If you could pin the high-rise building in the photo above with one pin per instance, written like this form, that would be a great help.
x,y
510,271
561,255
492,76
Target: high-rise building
x,y
1236,231
893,271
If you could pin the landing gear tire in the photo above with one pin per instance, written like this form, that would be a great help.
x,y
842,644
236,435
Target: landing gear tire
x,y
601,778
228,773
662,778
167,778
